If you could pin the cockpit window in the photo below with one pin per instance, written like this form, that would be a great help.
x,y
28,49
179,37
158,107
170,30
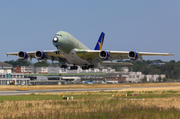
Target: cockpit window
x,y
58,35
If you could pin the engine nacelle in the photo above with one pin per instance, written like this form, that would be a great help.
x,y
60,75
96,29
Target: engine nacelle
x,y
23,56
104,55
40,55
133,55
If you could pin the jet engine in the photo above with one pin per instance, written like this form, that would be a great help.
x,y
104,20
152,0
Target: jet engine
x,y
40,55
133,55
23,55
104,55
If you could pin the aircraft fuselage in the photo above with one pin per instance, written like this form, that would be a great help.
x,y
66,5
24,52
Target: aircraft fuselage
x,y
68,45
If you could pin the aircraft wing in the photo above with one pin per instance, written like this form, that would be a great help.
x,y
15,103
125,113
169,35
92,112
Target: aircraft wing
x,y
49,55
115,55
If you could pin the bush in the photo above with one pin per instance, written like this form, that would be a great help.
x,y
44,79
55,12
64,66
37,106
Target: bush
x,y
12,83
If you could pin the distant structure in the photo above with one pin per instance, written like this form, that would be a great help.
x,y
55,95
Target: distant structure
x,y
107,75
7,77
30,70
157,63
57,70
135,77
5,68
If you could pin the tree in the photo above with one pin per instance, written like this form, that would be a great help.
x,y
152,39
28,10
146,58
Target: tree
x,y
144,79
12,83
18,62
155,71
164,79
171,69
91,79
159,79
104,79
145,70
41,64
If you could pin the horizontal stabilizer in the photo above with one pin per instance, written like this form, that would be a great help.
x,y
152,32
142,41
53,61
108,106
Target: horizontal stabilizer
x,y
116,63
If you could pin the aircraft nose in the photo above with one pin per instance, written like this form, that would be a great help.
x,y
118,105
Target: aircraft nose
x,y
56,42
55,39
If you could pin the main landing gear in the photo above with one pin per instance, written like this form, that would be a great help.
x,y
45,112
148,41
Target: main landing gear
x,y
63,66
73,67
87,67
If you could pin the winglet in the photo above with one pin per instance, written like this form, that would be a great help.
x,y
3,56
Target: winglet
x,y
100,42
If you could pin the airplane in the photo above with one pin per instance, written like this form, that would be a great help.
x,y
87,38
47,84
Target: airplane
x,y
71,51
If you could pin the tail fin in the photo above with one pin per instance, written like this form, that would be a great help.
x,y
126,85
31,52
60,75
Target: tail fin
x,y
100,42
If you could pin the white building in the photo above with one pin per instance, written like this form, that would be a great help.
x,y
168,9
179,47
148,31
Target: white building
x,y
91,70
16,78
154,78
5,68
27,69
41,70
135,77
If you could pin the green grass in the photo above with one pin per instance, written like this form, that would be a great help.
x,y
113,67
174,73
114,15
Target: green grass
x,y
29,97
87,95
50,97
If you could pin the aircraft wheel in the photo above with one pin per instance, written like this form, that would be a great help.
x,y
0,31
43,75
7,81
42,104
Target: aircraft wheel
x,y
73,67
84,68
91,66
63,66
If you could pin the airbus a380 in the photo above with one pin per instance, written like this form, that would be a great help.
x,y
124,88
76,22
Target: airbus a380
x,y
71,51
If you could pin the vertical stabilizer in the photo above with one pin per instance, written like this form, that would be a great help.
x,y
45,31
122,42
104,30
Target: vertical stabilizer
x,y
100,42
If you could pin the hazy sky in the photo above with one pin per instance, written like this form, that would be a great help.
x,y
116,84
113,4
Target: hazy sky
x,y
139,25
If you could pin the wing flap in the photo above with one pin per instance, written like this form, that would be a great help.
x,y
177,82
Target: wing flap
x,y
116,63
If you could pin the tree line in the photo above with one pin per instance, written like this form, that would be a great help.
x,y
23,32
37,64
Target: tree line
x,y
19,62
171,69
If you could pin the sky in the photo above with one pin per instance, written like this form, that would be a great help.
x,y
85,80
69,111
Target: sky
x,y
138,25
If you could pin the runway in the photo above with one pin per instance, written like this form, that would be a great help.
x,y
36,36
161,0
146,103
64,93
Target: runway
x,y
22,92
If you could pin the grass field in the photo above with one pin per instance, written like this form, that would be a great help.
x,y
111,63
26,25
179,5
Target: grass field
x,y
159,103
73,86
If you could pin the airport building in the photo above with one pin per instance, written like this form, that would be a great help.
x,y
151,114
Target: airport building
x,y
5,68
15,78
57,70
78,78
115,79
107,75
135,77
30,70
7,77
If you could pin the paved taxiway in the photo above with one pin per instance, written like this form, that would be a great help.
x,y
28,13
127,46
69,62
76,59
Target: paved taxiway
x,y
21,92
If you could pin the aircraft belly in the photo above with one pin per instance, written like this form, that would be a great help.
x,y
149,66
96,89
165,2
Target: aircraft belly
x,y
73,58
